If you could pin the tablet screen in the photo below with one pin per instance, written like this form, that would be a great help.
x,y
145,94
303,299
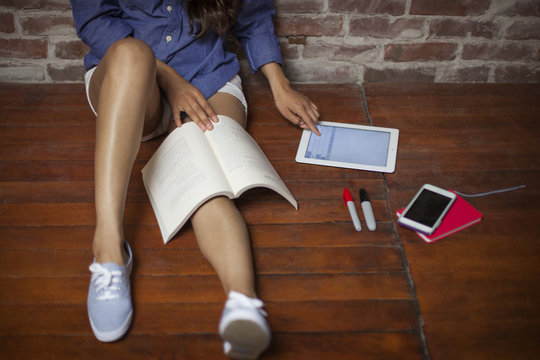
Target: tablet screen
x,y
357,146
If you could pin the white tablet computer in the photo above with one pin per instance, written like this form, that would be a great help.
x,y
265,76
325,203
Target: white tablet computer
x,y
350,146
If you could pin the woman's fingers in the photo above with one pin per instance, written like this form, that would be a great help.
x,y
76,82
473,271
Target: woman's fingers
x,y
197,109
305,115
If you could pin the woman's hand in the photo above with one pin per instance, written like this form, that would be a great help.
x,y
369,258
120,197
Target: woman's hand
x,y
297,108
184,97
293,105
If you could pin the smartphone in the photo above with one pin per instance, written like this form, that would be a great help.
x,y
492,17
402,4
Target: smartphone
x,y
427,209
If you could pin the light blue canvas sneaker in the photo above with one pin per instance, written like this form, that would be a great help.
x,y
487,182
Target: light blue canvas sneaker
x,y
243,327
109,299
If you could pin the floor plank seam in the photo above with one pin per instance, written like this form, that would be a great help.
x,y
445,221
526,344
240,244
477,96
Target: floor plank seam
x,y
420,325
365,105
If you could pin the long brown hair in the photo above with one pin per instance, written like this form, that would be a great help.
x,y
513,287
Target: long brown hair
x,y
206,15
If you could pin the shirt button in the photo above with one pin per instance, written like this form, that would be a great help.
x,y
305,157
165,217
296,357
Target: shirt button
x,y
168,38
169,8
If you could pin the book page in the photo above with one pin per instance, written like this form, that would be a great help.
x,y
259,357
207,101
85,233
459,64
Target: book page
x,y
244,163
180,176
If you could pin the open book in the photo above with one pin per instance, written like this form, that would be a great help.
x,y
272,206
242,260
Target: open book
x,y
192,166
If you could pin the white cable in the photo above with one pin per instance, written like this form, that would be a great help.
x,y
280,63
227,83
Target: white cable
x,y
490,192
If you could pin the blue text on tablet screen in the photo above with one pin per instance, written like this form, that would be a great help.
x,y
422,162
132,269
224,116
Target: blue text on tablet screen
x,y
357,146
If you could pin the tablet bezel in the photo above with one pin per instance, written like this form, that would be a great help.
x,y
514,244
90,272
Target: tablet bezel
x,y
390,159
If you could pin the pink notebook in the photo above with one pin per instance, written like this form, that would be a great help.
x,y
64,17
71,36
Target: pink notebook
x,y
460,216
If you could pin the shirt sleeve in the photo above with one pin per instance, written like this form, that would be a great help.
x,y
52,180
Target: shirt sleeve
x,y
99,24
255,31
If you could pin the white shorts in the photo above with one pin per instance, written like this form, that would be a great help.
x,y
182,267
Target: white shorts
x,y
233,87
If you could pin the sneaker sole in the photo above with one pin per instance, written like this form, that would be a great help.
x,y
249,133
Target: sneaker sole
x,y
112,335
246,338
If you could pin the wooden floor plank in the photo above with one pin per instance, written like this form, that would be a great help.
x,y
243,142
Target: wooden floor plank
x,y
498,341
148,236
285,346
180,288
189,318
167,261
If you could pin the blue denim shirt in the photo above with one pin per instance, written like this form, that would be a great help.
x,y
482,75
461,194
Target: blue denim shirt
x,y
164,25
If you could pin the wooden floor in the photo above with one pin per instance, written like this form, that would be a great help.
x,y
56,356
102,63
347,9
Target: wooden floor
x,y
331,293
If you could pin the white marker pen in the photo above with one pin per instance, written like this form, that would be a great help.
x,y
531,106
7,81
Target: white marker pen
x,y
347,197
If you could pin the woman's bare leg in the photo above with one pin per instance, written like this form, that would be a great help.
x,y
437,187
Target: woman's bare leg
x,y
224,240
126,96
219,227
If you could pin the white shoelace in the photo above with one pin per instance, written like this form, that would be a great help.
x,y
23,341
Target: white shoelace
x,y
105,282
238,300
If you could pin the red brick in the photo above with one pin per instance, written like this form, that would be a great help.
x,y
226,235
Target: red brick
x,y
48,25
299,6
485,29
400,75
389,7
448,27
290,51
523,8
7,23
381,27
517,74
19,48
66,73
506,52
370,26
70,50
311,26
420,52
521,30
449,7
38,4
459,28
466,74
296,40
335,51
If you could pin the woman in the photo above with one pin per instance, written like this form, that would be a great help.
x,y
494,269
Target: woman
x,y
151,60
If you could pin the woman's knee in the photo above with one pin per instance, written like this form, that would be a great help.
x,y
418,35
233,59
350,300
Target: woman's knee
x,y
216,206
228,105
214,210
131,54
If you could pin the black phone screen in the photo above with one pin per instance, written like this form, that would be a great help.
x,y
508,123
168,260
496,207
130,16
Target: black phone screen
x,y
428,207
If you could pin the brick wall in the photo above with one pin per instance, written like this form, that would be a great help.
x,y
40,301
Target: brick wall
x,y
341,41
